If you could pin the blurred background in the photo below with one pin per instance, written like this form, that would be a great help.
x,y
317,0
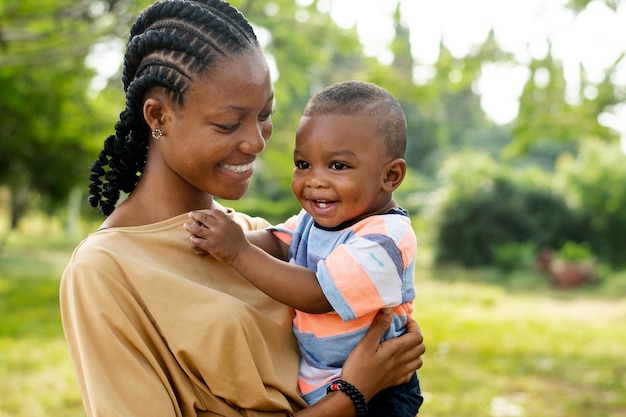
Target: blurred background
x,y
517,182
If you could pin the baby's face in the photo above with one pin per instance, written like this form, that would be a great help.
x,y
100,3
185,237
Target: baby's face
x,y
339,167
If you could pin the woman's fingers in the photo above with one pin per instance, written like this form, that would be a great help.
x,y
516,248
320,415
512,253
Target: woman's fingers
x,y
379,327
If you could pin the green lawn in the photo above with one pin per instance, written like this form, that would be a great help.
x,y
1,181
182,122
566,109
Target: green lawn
x,y
498,345
36,377
492,352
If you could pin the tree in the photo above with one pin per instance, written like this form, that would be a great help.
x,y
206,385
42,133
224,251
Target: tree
x,y
545,115
44,108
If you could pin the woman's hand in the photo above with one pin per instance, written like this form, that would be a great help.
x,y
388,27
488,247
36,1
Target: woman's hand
x,y
373,366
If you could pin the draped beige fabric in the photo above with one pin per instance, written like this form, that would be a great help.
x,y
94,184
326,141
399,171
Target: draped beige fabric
x,y
156,330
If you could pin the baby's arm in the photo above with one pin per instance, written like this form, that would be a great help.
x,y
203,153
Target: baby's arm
x,y
267,241
213,231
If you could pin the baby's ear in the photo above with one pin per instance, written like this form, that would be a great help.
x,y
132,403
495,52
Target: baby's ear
x,y
394,174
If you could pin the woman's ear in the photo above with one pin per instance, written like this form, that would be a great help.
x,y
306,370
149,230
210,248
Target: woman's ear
x,y
158,107
154,111
394,174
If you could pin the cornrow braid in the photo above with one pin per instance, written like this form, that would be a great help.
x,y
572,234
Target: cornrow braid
x,y
171,43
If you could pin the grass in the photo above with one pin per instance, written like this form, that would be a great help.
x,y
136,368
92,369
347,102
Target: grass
x,y
36,377
494,353
499,345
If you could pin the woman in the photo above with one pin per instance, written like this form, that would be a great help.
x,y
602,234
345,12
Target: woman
x,y
153,329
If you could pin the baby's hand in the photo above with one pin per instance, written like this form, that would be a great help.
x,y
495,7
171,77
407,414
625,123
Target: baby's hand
x,y
192,226
213,232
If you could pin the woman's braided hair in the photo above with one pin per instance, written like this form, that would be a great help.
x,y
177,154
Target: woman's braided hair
x,y
171,43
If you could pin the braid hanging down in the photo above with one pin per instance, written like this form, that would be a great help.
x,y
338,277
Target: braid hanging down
x,y
171,43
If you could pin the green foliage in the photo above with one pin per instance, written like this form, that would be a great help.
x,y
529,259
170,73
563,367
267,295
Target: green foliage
x,y
572,251
514,256
593,182
545,115
579,5
45,111
489,206
407,195
52,129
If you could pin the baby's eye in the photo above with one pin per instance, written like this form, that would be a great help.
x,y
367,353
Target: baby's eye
x,y
338,166
302,165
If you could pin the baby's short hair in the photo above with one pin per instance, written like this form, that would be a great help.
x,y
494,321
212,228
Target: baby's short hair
x,y
352,97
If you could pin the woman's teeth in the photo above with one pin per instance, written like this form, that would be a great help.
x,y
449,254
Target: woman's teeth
x,y
237,168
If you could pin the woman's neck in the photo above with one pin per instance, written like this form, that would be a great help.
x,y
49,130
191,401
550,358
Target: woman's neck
x,y
148,204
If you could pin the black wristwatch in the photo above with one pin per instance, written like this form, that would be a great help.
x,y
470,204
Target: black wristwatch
x,y
350,390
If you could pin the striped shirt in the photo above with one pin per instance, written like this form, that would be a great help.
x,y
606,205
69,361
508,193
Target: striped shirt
x,y
361,268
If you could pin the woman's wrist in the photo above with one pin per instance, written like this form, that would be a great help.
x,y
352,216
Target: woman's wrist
x,y
357,398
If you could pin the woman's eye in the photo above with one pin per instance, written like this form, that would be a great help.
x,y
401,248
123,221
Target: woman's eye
x,y
266,116
338,166
302,164
229,128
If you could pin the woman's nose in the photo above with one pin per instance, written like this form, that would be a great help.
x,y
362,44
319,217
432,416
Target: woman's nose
x,y
254,143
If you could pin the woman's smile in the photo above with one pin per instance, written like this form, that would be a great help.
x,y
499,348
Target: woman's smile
x,y
238,169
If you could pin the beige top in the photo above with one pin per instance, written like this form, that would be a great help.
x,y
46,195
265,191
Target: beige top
x,y
156,330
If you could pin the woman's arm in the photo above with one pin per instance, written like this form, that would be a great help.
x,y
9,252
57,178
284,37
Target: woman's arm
x,y
109,346
373,366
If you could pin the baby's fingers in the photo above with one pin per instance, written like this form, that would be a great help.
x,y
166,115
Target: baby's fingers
x,y
193,227
196,244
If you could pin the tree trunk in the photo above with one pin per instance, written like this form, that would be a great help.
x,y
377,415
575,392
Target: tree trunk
x,y
19,204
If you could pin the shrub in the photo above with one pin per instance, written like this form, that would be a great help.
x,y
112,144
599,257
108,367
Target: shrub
x,y
489,206
514,256
576,252
594,182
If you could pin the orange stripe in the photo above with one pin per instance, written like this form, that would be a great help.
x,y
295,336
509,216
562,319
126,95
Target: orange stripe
x,y
282,236
373,225
408,247
404,310
358,290
306,387
330,324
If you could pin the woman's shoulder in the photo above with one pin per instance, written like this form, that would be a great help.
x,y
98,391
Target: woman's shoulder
x,y
99,250
247,222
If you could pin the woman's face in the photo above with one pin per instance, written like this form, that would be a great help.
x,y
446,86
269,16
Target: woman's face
x,y
210,142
